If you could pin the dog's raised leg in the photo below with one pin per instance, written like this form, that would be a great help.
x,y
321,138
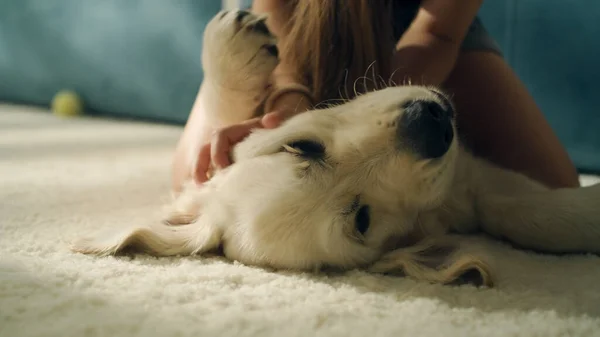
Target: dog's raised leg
x,y
509,205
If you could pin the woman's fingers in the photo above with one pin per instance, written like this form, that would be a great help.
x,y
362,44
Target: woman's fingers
x,y
220,146
272,119
275,118
203,164
217,151
226,138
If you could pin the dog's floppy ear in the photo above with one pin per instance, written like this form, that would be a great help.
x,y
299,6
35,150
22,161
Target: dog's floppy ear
x,y
446,259
183,232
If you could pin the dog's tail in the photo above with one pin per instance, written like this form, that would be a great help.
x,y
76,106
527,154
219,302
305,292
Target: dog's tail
x,y
159,240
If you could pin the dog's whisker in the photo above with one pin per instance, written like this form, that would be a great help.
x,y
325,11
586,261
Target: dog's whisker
x,y
365,76
328,102
354,88
393,74
383,84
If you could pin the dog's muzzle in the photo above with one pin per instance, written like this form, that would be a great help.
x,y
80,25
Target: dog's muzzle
x,y
425,128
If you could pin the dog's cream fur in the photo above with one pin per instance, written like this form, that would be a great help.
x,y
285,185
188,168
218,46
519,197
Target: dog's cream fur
x,y
292,197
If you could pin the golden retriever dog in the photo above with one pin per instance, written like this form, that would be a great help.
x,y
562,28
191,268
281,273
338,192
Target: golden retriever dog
x,y
379,183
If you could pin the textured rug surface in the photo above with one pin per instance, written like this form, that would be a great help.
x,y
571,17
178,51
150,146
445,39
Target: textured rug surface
x,y
63,178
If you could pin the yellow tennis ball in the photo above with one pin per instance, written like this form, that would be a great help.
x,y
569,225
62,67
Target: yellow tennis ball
x,y
66,103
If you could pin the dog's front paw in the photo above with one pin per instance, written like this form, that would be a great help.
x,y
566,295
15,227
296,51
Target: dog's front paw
x,y
238,46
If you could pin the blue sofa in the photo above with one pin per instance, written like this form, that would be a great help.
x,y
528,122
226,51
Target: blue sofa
x,y
134,58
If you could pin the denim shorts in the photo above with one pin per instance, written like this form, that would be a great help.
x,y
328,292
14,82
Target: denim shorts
x,y
477,38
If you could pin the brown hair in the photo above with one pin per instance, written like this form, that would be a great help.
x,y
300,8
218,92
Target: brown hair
x,y
334,43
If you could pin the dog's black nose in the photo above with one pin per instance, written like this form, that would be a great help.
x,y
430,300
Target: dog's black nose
x,y
425,128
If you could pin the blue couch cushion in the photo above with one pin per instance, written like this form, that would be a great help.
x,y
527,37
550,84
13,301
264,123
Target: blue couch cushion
x,y
134,58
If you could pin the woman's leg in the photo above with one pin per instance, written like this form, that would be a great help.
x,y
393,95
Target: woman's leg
x,y
500,121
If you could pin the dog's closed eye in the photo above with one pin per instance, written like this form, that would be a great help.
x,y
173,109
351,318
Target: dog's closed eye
x,y
308,149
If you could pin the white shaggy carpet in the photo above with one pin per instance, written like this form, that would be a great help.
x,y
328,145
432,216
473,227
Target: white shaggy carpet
x,y
63,178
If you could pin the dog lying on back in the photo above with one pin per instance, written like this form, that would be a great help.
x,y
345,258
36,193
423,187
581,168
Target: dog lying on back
x,y
380,183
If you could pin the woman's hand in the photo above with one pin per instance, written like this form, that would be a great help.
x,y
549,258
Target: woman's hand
x,y
216,153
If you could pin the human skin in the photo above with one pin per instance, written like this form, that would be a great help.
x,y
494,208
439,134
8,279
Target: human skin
x,y
497,117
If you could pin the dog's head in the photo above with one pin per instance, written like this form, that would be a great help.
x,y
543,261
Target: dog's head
x,y
341,186
238,48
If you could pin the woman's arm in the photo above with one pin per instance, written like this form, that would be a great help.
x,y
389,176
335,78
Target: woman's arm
x,y
513,132
427,52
